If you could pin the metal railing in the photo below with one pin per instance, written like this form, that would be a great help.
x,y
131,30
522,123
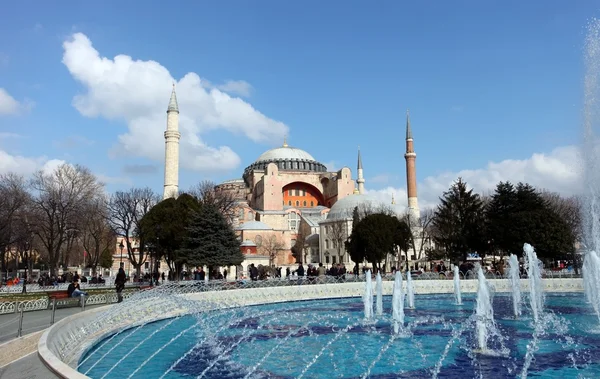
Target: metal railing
x,y
34,288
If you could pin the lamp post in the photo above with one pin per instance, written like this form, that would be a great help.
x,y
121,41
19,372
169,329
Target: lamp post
x,y
121,246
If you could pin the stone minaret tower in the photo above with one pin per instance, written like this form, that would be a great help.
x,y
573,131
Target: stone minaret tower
x,y
359,175
411,173
172,137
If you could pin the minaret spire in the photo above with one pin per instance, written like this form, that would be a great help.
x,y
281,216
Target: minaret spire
x,y
360,180
408,129
411,173
172,136
173,106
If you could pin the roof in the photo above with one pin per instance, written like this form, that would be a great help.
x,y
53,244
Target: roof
x,y
254,225
344,208
284,153
248,243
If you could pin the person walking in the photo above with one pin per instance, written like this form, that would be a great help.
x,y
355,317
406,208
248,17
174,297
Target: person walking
x,y
120,283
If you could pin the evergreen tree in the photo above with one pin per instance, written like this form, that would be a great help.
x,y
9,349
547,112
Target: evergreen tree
x,y
354,245
211,240
459,220
500,216
165,226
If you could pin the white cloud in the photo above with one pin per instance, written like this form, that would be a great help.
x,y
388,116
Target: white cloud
x,y
236,87
138,92
8,105
26,165
558,171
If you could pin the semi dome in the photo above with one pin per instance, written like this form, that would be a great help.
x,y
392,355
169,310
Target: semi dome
x,y
344,208
286,158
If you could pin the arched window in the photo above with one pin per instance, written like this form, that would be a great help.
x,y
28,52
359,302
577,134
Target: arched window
x,y
305,203
290,203
297,203
294,221
312,203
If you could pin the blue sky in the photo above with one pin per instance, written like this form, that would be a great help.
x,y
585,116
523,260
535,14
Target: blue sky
x,y
485,81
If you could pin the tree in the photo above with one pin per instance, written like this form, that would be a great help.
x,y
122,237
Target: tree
x,y
459,221
378,236
96,234
14,200
339,235
58,200
106,258
568,208
354,245
224,201
298,250
212,240
271,246
166,225
420,231
500,216
125,212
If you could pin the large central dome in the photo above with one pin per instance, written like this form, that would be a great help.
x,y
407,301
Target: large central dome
x,y
286,158
285,152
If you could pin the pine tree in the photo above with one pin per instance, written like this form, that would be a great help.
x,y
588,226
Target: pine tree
x,y
500,217
459,222
211,240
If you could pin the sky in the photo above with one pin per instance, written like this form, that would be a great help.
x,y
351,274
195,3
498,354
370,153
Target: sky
x,y
494,88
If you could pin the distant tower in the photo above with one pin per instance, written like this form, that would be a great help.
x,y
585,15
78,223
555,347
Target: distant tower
x,y
359,173
411,172
172,137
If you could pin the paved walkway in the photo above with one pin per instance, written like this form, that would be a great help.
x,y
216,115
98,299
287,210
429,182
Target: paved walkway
x,y
19,358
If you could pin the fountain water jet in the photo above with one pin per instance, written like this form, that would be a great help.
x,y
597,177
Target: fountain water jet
x,y
515,284
379,293
410,290
457,294
484,312
368,296
536,292
398,303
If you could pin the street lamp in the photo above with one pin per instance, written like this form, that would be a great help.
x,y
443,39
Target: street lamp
x,y
121,246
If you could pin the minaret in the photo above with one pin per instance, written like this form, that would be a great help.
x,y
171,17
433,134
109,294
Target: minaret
x,y
411,172
172,137
359,174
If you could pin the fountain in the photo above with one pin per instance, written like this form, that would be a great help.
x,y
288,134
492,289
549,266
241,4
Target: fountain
x,y
484,312
457,294
379,293
536,293
368,296
398,303
181,330
514,276
410,290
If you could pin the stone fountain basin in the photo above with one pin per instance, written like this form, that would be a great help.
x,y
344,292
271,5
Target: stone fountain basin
x,y
63,359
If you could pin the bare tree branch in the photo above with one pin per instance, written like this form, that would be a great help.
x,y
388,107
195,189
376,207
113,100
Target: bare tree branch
x,y
271,246
125,212
58,198
207,194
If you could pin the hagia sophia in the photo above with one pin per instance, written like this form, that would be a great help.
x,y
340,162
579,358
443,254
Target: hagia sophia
x,y
286,196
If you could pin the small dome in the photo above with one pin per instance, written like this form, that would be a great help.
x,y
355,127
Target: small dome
x,y
248,243
254,225
285,153
344,208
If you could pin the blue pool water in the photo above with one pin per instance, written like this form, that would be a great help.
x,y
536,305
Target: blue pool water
x,y
329,339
